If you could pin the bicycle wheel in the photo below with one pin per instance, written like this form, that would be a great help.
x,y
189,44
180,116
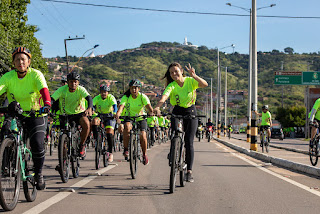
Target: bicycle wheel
x,y
10,175
64,158
209,136
199,136
105,152
29,187
174,165
133,156
98,150
75,162
314,152
183,166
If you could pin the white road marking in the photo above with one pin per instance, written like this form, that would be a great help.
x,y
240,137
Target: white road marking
x,y
304,187
60,196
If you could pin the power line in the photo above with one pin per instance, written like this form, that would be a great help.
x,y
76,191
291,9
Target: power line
x,y
181,11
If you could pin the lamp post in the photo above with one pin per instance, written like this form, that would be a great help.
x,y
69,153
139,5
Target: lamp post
x,y
252,74
83,55
225,102
218,109
65,46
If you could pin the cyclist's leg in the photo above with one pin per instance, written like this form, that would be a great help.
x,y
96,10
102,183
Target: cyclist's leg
x,y
313,133
94,126
85,129
190,128
142,125
152,134
126,135
36,128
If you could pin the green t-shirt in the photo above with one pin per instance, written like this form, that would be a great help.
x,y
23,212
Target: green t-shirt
x,y
135,107
162,121
104,106
265,118
316,107
167,122
26,91
71,102
184,96
152,121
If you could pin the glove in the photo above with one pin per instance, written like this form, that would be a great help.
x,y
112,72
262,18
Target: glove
x,y
45,109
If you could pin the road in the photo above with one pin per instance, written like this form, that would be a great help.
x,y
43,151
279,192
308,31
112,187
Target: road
x,y
225,182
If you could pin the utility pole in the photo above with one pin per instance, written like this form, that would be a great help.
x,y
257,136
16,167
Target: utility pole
x,y
218,97
249,82
65,46
225,102
211,102
254,128
217,93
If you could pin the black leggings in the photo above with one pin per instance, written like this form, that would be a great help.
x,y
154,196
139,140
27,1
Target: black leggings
x,y
36,129
190,128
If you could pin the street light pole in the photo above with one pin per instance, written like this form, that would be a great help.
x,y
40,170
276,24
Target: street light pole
x,y
82,56
254,128
211,102
249,82
65,46
225,102
217,96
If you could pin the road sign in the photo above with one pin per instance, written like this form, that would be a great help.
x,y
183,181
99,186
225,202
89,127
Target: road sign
x,y
287,78
311,78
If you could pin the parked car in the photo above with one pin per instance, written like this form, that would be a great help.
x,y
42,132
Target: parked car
x,y
242,130
277,133
236,131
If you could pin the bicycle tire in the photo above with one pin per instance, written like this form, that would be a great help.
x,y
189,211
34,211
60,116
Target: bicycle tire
x,y
209,137
105,152
29,187
199,137
173,160
64,158
183,165
314,152
98,150
75,162
133,156
8,157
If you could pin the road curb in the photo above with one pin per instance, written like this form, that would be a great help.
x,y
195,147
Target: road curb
x,y
281,147
311,170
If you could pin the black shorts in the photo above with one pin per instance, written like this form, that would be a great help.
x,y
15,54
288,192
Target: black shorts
x,y
107,122
71,118
264,127
142,124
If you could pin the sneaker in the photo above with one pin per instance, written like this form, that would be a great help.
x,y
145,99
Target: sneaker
x,y
126,155
145,160
82,151
39,181
189,177
57,168
110,159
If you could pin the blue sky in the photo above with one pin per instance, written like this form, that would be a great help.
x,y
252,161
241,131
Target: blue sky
x,y
119,29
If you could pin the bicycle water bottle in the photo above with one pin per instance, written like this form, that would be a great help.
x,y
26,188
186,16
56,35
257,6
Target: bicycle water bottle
x,y
14,126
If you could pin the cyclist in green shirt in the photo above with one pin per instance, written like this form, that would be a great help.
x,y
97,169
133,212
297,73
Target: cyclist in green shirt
x,y
72,99
28,87
182,93
152,122
106,106
266,121
134,104
314,119
162,124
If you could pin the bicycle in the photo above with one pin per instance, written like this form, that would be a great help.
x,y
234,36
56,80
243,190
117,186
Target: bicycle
x,y
16,163
177,156
229,133
314,147
101,144
68,149
134,144
118,144
209,133
264,139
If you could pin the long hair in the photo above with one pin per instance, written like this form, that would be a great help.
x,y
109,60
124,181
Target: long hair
x,y
167,74
127,93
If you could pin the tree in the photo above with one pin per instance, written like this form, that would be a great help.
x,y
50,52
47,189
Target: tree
x,y
15,32
288,50
292,116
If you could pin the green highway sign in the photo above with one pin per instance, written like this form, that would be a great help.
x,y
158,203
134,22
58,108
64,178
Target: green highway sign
x,y
311,78
287,78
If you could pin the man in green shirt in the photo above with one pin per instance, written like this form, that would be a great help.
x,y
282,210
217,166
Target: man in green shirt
x,y
72,101
266,120
152,122
106,106
314,118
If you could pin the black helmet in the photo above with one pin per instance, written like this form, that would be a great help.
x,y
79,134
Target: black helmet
x,y
73,76
265,107
135,83
104,88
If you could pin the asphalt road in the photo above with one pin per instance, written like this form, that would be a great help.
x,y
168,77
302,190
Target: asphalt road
x,y
225,182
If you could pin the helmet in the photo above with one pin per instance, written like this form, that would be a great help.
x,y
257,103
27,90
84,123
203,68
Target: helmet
x,y
104,88
73,76
135,83
21,50
265,107
63,79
